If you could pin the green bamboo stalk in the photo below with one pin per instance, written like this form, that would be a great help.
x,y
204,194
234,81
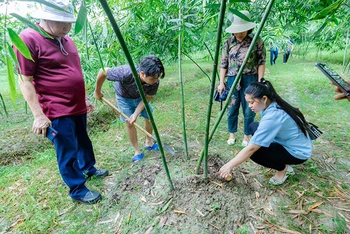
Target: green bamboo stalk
x,y
97,49
237,79
138,83
196,65
180,39
212,88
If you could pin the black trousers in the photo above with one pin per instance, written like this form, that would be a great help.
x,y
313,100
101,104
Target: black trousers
x,y
275,156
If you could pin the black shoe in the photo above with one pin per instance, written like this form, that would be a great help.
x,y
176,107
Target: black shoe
x,y
99,174
90,197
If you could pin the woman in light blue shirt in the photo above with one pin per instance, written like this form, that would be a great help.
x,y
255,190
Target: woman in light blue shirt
x,y
279,140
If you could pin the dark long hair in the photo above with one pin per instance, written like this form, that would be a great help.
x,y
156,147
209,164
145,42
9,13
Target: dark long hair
x,y
265,88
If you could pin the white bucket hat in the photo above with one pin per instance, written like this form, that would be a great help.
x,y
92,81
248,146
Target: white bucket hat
x,y
49,13
240,25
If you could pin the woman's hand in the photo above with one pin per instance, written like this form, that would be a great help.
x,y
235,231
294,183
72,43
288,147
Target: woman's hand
x,y
221,88
225,170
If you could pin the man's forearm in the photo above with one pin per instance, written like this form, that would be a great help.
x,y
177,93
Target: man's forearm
x,y
29,95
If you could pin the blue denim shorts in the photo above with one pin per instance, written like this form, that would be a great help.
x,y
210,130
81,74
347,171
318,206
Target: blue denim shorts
x,y
128,107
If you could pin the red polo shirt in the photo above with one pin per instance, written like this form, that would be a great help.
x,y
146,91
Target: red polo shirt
x,y
58,79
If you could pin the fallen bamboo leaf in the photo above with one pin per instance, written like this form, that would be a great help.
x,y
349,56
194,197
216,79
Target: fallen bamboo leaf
x,y
119,225
258,183
287,230
128,218
322,212
143,198
116,218
297,212
217,228
338,208
179,212
257,195
221,185
200,212
104,222
166,206
245,179
344,217
148,231
155,203
340,193
162,221
317,204
269,211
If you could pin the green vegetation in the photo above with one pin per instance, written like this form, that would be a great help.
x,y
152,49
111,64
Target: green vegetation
x,y
35,199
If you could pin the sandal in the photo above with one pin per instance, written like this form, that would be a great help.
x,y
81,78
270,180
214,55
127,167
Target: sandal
x,y
231,141
245,143
275,181
153,147
137,157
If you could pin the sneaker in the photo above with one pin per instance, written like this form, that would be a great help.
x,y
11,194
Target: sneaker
x,y
245,143
275,181
91,197
231,141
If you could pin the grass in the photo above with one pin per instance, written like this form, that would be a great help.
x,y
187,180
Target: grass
x,y
35,200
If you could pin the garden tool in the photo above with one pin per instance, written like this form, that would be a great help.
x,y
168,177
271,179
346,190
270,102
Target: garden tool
x,y
166,147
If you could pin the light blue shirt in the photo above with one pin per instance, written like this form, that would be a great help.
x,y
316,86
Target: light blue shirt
x,y
276,126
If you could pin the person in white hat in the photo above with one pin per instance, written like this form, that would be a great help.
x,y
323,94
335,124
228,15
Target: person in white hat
x,y
53,86
233,54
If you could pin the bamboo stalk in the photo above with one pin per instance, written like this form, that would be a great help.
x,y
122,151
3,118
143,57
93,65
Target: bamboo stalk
x,y
180,40
138,83
210,101
237,79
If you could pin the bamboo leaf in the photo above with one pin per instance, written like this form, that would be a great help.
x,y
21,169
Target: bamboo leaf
x,y
12,53
239,14
79,24
20,45
3,105
328,10
11,78
30,24
166,206
213,6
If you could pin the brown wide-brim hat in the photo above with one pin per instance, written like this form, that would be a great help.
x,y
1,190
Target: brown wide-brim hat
x,y
49,13
240,25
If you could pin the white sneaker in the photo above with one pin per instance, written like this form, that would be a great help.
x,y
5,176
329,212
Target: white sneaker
x,y
245,143
289,172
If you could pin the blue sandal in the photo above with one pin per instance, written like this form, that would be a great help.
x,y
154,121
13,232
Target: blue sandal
x,y
137,157
153,147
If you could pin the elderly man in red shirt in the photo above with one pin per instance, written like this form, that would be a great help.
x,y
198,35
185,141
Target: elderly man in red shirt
x,y
53,85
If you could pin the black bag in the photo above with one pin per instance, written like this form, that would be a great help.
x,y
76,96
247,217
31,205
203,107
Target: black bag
x,y
220,98
313,131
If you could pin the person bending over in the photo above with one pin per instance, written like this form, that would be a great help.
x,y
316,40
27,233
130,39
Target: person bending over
x,y
280,138
128,97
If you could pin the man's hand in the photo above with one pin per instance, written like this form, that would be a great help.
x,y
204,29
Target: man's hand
x,y
40,125
132,119
340,94
89,106
98,95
